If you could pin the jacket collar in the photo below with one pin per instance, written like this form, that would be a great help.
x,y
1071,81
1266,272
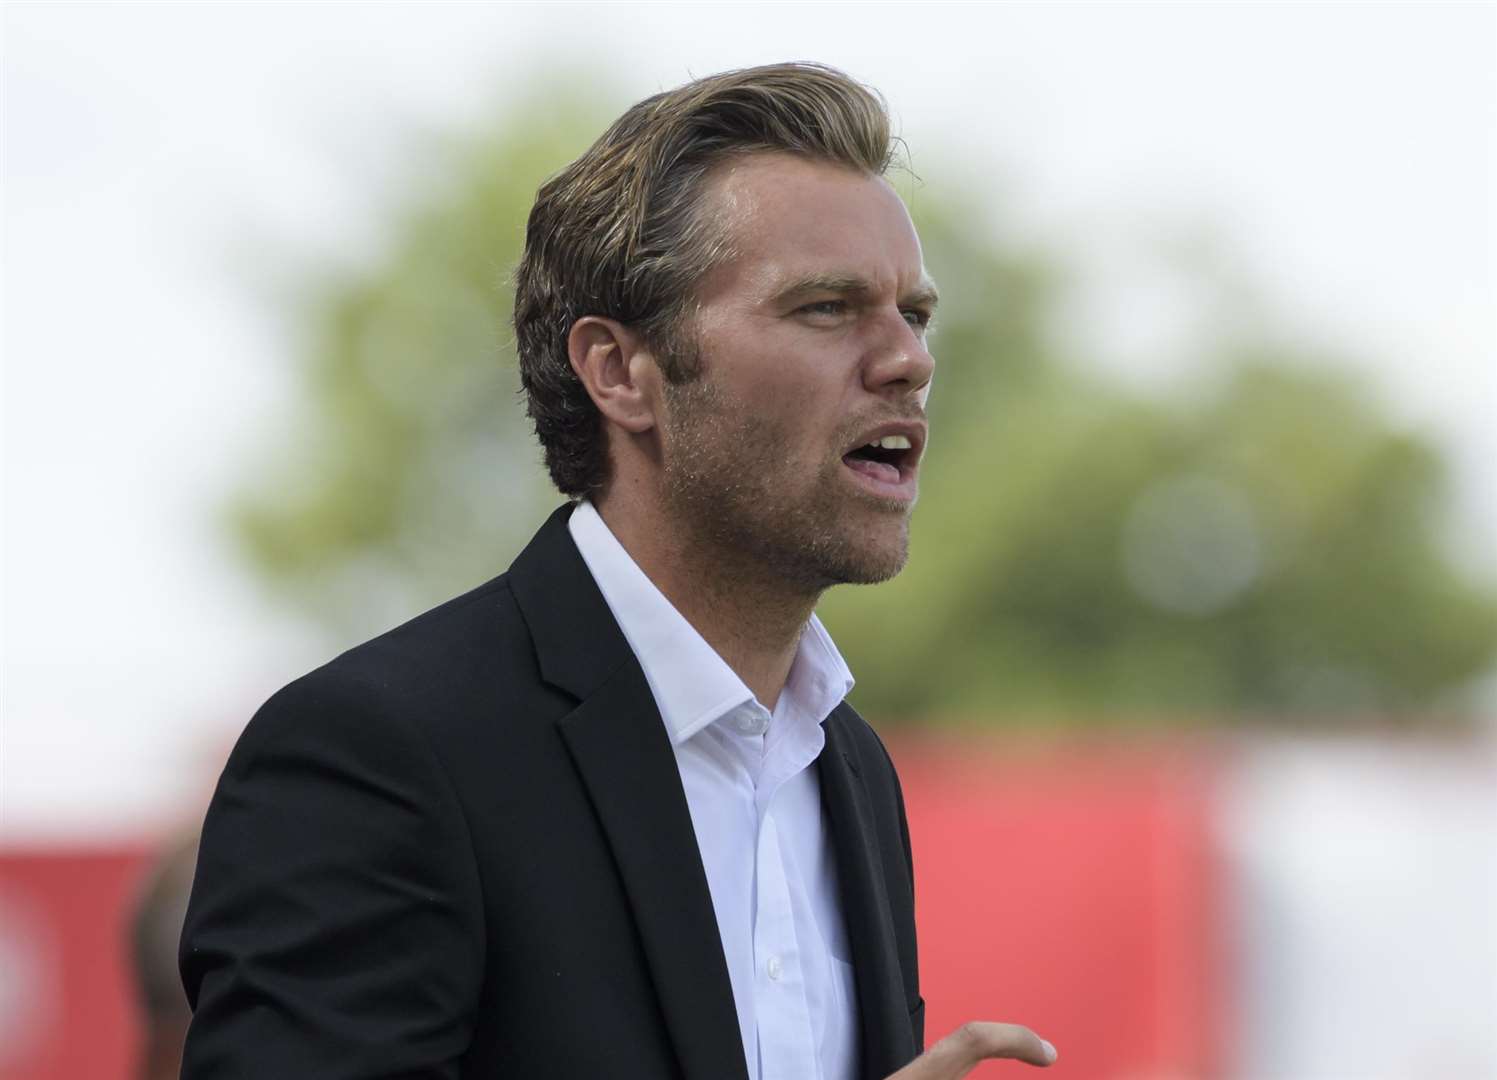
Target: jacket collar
x,y
623,756
578,646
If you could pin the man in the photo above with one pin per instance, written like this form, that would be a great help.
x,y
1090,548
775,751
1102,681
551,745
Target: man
x,y
608,815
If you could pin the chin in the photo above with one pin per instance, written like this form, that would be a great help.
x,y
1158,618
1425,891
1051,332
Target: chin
x,y
867,557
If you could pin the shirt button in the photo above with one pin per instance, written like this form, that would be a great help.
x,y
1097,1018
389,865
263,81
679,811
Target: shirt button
x,y
751,723
775,968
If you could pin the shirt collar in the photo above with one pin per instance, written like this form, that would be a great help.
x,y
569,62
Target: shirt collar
x,y
692,684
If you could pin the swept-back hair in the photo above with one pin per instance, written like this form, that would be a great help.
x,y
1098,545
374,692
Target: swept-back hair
x,y
621,233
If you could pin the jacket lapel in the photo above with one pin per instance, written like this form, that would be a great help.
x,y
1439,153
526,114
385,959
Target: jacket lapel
x,y
888,1042
619,744
623,755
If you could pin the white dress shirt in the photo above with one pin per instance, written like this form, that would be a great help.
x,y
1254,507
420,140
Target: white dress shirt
x,y
756,807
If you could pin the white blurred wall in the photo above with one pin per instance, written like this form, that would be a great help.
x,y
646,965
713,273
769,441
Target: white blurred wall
x,y
1363,879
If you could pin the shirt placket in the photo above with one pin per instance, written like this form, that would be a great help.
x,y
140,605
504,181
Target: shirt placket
x,y
786,1041
786,1045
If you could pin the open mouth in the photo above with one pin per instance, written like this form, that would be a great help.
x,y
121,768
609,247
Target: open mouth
x,y
887,460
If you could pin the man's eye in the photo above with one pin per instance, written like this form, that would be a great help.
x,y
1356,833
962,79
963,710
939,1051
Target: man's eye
x,y
825,307
917,318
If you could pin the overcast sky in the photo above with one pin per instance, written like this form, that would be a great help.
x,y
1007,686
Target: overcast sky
x,y
1341,154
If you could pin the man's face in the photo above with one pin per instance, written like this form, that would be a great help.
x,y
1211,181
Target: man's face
x,y
812,345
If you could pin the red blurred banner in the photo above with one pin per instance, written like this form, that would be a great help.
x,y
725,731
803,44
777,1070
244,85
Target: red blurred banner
x,y
1075,891
65,1007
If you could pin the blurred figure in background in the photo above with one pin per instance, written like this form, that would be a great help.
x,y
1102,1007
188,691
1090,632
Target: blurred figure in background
x,y
155,928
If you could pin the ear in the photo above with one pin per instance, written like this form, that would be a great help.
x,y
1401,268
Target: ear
x,y
617,370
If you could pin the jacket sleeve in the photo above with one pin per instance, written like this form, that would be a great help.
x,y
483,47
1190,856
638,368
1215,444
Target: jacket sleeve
x,y
335,928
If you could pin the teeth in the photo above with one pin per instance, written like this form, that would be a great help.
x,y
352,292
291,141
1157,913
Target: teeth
x,y
891,442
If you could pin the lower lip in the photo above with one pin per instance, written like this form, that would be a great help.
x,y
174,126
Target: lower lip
x,y
881,480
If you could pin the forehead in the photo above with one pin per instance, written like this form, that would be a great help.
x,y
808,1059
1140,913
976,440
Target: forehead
x,y
787,218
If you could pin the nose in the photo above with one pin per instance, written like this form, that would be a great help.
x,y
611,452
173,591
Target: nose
x,y
898,362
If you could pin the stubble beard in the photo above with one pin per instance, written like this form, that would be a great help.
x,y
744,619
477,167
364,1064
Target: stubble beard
x,y
731,486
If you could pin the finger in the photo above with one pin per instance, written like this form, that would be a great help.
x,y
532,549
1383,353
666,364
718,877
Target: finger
x,y
980,1040
960,1052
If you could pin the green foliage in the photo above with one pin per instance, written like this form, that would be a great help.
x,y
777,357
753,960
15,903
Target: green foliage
x,y
413,475
1265,546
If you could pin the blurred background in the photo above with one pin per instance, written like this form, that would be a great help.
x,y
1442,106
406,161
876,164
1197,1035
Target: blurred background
x,y
1192,678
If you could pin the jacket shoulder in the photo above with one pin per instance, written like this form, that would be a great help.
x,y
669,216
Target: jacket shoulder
x,y
461,631
463,660
870,754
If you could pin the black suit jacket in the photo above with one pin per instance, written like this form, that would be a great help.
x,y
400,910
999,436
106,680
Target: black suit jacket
x,y
463,850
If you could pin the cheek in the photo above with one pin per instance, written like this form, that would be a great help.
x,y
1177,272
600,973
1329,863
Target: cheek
x,y
795,400
816,387
801,426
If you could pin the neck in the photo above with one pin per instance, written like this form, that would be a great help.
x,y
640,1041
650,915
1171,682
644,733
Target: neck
x,y
751,618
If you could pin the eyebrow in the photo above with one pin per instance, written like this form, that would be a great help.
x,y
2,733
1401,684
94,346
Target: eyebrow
x,y
923,294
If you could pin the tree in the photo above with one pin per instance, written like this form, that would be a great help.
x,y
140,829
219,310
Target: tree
x,y
1268,546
